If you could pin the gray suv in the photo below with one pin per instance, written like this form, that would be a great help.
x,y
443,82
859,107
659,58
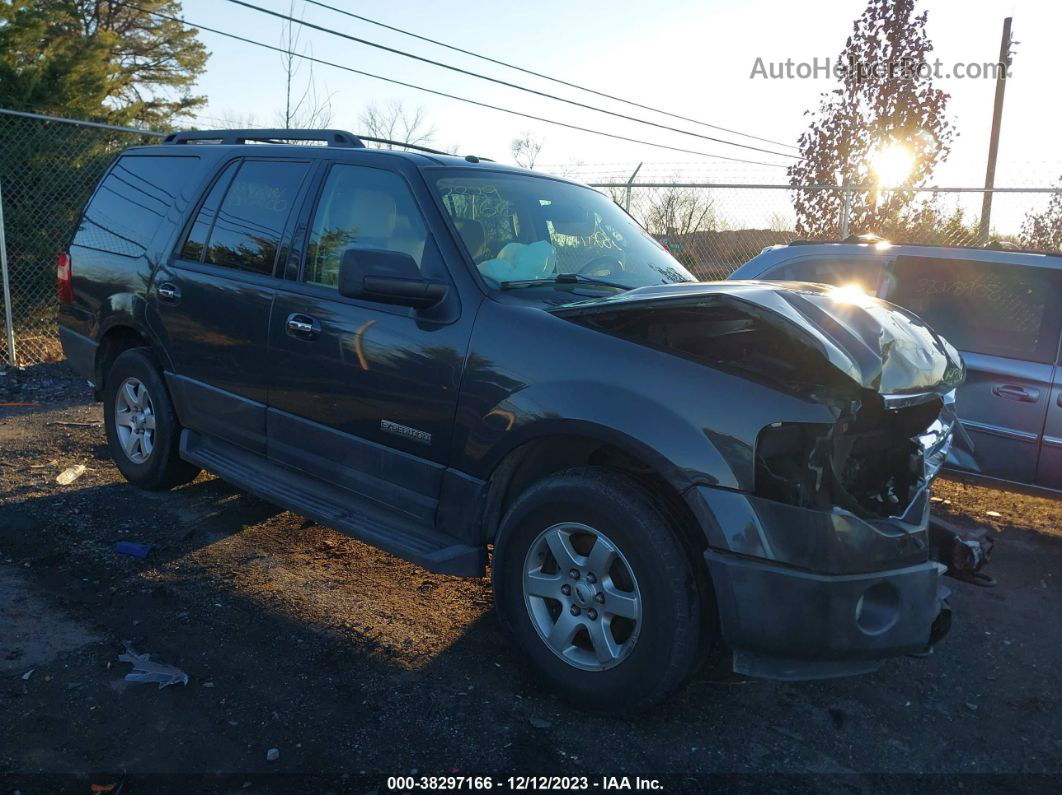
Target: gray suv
x,y
1002,309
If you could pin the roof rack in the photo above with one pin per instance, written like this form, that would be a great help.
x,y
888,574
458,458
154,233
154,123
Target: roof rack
x,y
404,145
992,245
869,239
329,137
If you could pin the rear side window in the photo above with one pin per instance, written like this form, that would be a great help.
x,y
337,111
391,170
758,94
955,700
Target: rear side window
x,y
832,270
195,244
982,307
131,203
249,222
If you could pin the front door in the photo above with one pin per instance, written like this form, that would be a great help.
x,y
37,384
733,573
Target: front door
x,y
215,295
1004,319
363,395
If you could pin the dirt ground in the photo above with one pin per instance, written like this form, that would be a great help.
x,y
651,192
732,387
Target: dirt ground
x,y
350,662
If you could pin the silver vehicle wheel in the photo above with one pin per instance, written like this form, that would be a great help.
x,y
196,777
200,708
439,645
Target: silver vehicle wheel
x,y
582,596
134,420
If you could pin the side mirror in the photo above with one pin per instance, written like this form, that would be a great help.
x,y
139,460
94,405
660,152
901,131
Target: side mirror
x,y
387,277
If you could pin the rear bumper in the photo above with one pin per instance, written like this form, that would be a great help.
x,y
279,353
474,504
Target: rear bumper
x,y
782,623
80,353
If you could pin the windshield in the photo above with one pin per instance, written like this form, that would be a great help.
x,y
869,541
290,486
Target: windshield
x,y
525,230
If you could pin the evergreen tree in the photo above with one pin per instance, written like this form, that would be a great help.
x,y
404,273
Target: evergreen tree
x,y
99,60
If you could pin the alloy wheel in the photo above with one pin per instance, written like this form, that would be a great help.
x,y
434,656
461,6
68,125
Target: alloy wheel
x,y
582,596
134,420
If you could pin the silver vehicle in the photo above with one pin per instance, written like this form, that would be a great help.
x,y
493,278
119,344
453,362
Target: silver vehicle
x,y
1001,308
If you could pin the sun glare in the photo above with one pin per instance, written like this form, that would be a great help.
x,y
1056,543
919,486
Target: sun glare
x,y
851,293
892,164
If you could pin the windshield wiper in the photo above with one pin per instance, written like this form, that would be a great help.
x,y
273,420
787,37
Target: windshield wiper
x,y
563,278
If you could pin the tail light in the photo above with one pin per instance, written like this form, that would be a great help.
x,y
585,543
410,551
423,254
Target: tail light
x,y
64,286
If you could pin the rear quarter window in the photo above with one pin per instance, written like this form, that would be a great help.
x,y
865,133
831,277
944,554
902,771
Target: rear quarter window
x,y
831,270
132,202
991,308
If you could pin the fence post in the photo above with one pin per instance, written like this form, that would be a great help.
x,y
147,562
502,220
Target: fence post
x,y
846,210
7,287
627,197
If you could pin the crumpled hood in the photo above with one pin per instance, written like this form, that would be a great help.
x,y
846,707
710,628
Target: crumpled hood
x,y
878,345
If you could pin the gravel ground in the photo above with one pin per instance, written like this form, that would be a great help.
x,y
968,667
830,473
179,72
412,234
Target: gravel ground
x,y
348,661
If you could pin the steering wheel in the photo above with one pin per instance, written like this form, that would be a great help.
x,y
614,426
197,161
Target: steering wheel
x,y
602,265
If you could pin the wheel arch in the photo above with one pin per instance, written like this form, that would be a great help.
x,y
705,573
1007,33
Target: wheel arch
x,y
122,334
538,458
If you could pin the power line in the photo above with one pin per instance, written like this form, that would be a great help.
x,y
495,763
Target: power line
x,y
546,77
499,81
451,96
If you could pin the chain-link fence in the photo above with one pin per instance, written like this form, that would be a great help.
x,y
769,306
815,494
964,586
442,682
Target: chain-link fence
x,y
713,227
48,168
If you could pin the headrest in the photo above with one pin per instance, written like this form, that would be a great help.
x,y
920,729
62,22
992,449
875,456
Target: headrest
x,y
472,233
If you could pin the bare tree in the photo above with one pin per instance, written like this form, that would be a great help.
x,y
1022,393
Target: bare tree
x,y
304,105
680,211
233,120
526,150
393,122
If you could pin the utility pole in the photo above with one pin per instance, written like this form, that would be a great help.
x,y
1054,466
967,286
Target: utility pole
x,y
997,117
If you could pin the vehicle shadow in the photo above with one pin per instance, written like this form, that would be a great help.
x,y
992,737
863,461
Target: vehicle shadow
x,y
347,660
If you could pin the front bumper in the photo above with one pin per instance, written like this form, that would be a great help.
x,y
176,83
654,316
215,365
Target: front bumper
x,y
806,594
782,623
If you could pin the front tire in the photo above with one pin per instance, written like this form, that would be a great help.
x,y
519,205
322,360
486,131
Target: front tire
x,y
142,429
598,591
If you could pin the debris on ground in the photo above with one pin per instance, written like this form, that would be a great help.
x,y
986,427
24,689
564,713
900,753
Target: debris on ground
x,y
994,514
146,671
132,548
28,674
70,474
964,550
273,754
540,723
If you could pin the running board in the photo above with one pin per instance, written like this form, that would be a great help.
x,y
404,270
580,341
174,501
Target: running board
x,y
357,517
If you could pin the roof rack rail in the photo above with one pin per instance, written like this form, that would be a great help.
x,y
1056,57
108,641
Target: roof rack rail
x,y
992,245
404,145
329,137
868,239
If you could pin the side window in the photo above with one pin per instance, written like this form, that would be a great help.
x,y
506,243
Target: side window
x,y
991,308
485,219
195,244
131,203
251,218
362,208
832,270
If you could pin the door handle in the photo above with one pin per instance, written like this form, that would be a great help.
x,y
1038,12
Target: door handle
x,y
1015,392
303,326
168,291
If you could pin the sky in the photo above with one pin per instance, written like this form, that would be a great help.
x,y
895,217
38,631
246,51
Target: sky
x,y
687,57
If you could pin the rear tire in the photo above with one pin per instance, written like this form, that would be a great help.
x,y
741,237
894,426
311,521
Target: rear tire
x,y
142,429
620,636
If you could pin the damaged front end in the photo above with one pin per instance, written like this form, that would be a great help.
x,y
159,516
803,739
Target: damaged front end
x,y
821,565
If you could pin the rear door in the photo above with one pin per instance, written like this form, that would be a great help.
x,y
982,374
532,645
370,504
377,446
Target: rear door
x,y
215,295
1049,472
1004,319
362,395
